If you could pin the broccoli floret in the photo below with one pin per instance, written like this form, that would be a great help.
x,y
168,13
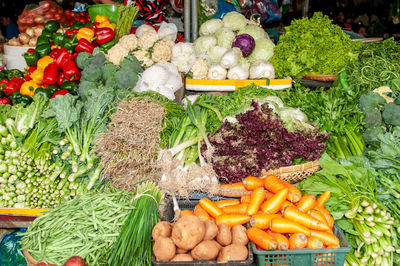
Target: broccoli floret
x,y
98,60
370,101
391,114
83,60
86,86
370,135
131,63
109,72
373,118
111,82
125,79
91,73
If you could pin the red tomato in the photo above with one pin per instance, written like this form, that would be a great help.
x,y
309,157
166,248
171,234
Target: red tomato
x,y
48,16
57,17
39,19
45,4
52,10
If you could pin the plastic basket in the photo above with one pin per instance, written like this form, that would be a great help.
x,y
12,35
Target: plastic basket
x,y
111,11
304,256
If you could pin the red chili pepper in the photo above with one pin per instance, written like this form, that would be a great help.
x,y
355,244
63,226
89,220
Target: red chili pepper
x,y
60,79
59,92
30,50
71,71
55,53
62,57
50,74
104,35
84,46
4,101
13,85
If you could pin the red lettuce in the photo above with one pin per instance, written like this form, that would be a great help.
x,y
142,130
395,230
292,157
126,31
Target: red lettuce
x,y
259,140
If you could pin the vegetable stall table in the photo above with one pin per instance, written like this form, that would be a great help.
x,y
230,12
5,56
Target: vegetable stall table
x,y
18,218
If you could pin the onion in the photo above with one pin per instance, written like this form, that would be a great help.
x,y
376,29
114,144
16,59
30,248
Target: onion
x,y
30,32
24,38
38,30
14,42
32,42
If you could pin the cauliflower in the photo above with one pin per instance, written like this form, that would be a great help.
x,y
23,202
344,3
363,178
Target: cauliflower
x,y
117,53
162,51
142,55
199,69
167,31
147,39
183,56
129,41
144,29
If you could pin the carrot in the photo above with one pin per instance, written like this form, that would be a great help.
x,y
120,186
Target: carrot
x,y
232,219
333,246
304,219
330,220
234,186
283,242
202,214
323,198
245,199
227,202
285,226
273,183
297,240
274,204
186,212
323,210
252,182
263,221
210,207
315,243
325,237
236,209
269,195
286,204
256,199
294,193
327,214
261,238
318,215
307,202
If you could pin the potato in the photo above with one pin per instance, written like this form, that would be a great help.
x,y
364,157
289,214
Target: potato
x,y
224,236
206,250
181,251
161,229
239,235
211,230
188,231
182,257
233,252
164,249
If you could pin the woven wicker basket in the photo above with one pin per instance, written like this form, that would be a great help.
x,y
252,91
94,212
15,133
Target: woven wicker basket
x,y
29,259
324,78
295,173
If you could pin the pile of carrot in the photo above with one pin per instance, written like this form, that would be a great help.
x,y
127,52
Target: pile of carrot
x,y
280,217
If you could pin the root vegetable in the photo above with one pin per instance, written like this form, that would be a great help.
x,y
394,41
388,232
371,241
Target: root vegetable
x,y
206,250
233,252
30,32
239,235
182,257
211,230
164,249
32,42
24,38
162,229
188,232
181,251
14,42
224,236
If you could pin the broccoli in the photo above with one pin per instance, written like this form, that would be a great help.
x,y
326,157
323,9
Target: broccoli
x,y
86,86
370,135
109,72
125,79
131,63
373,118
111,82
83,59
370,101
98,60
91,73
391,114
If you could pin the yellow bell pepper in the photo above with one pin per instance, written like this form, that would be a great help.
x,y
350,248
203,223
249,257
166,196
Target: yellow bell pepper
x,y
28,88
55,47
43,62
37,76
106,24
101,18
85,33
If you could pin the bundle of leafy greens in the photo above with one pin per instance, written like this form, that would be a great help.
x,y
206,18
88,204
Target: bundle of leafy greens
x,y
313,46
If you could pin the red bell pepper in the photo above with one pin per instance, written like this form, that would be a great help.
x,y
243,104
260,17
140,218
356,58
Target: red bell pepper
x,y
13,85
4,101
3,83
96,24
59,92
50,74
63,56
104,35
84,46
71,70
60,79
69,32
30,50
55,53
28,73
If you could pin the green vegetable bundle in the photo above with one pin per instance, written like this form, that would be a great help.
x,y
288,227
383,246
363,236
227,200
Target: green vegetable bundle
x,y
313,46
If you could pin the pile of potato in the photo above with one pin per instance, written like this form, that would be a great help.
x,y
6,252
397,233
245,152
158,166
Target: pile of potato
x,y
190,238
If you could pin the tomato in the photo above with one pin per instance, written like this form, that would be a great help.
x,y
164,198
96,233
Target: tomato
x,y
57,17
52,10
41,11
46,4
48,16
39,19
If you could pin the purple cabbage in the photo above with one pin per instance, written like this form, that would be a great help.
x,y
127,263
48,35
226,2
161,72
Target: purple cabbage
x,y
260,141
245,43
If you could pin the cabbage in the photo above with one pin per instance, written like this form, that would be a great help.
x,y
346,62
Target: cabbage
x,y
264,50
245,43
202,44
225,37
254,31
231,58
262,69
214,54
234,20
210,27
